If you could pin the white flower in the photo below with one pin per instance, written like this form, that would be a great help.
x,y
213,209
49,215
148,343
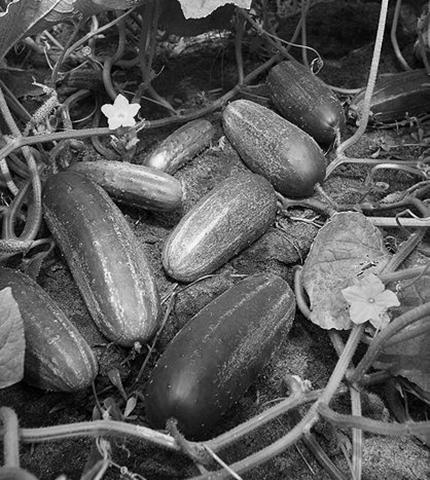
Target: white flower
x,y
369,301
121,113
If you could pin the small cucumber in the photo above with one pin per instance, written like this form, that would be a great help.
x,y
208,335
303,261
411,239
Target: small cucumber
x,y
396,96
182,145
275,148
104,257
219,353
57,357
134,184
226,220
303,99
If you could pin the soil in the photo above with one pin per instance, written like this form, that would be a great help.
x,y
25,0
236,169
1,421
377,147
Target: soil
x,y
343,33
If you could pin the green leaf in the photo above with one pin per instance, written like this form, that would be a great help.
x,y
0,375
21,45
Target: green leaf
x,y
12,342
26,17
346,246
203,8
410,358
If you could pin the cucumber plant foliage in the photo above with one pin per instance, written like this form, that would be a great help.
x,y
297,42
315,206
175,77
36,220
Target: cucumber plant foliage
x,y
346,246
12,341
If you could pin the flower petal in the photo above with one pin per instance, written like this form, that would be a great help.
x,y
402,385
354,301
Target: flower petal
x,y
128,121
388,299
133,108
120,102
108,110
114,122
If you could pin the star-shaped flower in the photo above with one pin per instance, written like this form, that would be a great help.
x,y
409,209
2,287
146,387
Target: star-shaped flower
x,y
369,301
121,113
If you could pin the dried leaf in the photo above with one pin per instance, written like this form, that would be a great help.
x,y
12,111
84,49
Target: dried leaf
x,y
12,342
346,246
203,8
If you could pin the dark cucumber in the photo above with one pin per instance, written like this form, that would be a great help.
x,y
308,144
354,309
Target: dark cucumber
x,y
182,145
225,221
57,357
303,99
275,148
104,257
213,360
396,96
135,185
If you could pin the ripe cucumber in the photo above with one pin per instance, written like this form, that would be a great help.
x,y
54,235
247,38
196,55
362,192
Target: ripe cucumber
x,y
182,145
104,257
396,96
135,185
57,357
275,148
219,353
303,99
226,220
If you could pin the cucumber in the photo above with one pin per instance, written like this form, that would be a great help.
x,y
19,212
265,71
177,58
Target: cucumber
x,y
104,257
57,357
182,145
396,96
134,185
303,99
219,353
275,148
226,220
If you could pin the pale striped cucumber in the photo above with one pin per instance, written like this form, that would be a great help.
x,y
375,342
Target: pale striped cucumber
x,y
57,357
132,184
104,256
226,220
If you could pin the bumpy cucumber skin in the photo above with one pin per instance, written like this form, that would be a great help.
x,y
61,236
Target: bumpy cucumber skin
x,y
219,353
225,221
104,257
134,185
275,148
182,145
396,95
57,357
303,99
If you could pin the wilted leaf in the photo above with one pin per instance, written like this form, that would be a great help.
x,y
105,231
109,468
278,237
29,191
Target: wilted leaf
x,y
12,342
346,246
202,8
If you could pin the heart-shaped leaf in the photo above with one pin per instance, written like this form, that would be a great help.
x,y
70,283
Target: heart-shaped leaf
x,y
346,246
12,342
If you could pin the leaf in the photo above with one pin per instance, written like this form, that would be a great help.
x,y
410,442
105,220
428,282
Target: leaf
x,y
118,4
346,246
12,342
202,8
172,20
26,17
410,358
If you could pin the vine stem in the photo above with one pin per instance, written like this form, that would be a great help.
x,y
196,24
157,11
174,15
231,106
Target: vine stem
x,y
374,426
340,158
393,37
10,437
